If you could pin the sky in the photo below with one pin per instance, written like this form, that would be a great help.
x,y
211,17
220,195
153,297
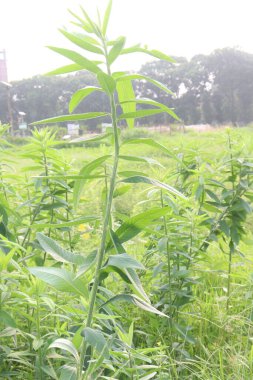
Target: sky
x,y
178,28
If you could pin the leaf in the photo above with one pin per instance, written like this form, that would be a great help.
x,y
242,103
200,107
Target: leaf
x,y
142,77
58,253
135,281
116,49
125,91
81,94
134,225
61,279
75,222
140,113
149,160
7,319
107,83
124,261
107,17
68,373
150,142
65,70
85,171
154,182
121,190
65,345
183,331
77,58
81,42
96,340
76,117
156,104
154,53
88,263
131,298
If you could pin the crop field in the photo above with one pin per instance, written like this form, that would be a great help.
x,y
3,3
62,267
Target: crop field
x,y
175,287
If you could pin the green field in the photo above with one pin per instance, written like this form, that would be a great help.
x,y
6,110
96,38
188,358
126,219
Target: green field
x,y
193,258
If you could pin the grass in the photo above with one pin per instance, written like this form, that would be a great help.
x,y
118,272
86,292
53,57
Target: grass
x,y
221,344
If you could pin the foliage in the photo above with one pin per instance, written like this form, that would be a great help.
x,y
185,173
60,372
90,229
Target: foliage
x,y
107,292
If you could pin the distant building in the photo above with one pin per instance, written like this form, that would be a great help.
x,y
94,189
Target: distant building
x,y
3,67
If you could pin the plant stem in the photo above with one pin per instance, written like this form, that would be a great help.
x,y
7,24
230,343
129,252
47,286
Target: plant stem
x,y
102,248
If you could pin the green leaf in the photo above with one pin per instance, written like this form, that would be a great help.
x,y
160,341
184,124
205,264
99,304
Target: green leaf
x,y
77,58
106,17
154,182
58,253
136,283
124,261
76,117
154,103
154,53
65,70
61,279
121,190
140,113
152,143
81,94
81,42
134,225
7,319
116,49
96,340
68,373
89,261
65,345
85,171
142,77
107,83
125,91
75,222
131,298
149,160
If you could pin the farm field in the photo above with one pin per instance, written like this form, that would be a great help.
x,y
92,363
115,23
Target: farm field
x,y
176,286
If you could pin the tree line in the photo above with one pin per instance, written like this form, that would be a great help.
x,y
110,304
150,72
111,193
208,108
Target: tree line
x,y
213,89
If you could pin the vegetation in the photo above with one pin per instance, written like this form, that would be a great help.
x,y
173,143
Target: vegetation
x,y
119,265
214,89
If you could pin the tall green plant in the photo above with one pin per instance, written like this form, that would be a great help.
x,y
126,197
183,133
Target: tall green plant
x,y
118,88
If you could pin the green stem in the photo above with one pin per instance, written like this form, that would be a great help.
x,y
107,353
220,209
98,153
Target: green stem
x,y
229,278
102,248
167,253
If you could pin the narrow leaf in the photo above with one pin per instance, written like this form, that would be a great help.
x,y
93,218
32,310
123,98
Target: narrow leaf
x,y
107,83
154,182
65,70
125,91
58,253
81,94
116,49
140,113
106,17
154,103
76,117
77,58
85,171
81,42
145,78
131,298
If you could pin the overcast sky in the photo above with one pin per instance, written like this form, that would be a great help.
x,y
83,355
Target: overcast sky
x,y
178,27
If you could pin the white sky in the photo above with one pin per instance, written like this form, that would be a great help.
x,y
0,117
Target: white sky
x,y
178,27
